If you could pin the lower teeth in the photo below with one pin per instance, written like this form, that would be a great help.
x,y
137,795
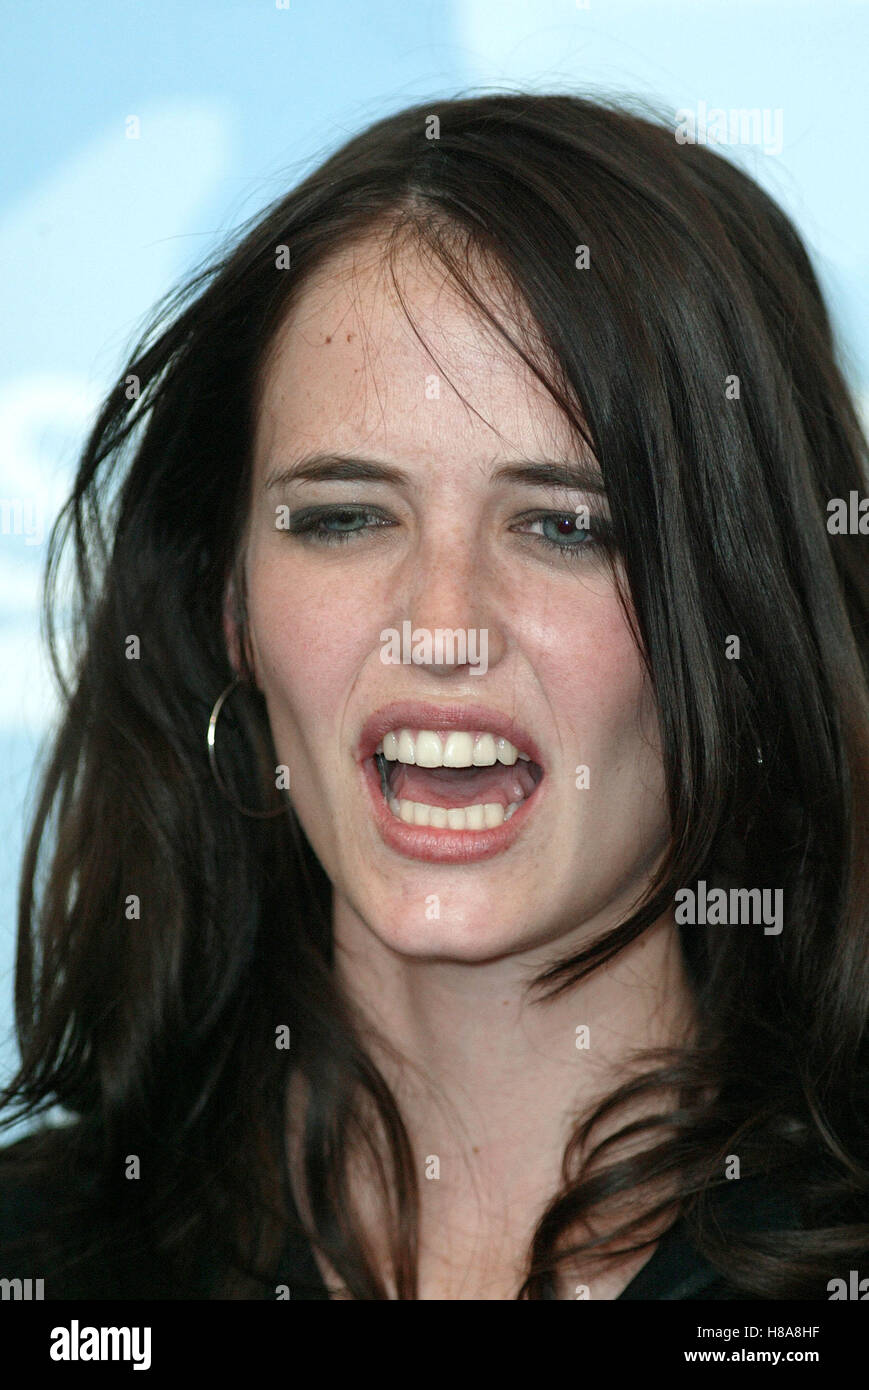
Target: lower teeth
x,y
484,817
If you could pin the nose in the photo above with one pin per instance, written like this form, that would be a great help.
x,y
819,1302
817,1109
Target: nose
x,y
453,591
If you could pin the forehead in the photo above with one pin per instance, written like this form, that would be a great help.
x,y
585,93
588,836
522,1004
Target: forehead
x,y
388,354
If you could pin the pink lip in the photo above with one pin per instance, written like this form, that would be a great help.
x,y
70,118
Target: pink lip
x,y
428,842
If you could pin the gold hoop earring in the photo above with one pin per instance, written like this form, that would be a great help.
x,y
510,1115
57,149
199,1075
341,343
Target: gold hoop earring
x,y
212,758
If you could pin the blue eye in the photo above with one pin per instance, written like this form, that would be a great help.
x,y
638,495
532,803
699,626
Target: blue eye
x,y
339,525
571,539
313,522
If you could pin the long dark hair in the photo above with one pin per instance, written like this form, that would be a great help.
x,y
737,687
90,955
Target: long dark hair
x,y
164,937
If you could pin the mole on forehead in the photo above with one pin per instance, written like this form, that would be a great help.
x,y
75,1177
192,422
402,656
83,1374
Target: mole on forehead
x,y
362,279
350,312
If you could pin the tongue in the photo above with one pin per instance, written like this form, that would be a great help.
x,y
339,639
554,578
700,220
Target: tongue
x,y
461,786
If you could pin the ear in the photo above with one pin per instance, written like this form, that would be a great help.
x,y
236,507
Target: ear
x,y
235,631
230,627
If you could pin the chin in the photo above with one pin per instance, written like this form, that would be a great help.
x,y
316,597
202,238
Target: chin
x,y
461,932
465,943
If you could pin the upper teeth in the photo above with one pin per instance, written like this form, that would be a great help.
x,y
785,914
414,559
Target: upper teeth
x,y
425,748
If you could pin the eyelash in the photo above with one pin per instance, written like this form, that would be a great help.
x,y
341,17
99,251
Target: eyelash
x,y
310,524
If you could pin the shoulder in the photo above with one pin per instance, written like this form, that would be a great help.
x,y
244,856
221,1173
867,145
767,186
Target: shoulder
x,y
767,1215
58,1223
28,1185
55,1227
41,1194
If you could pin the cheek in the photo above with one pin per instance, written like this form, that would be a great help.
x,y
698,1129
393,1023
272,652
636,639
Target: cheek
x,y
607,709
308,637
591,671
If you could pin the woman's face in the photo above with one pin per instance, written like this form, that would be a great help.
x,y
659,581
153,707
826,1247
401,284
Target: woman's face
x,y
444,539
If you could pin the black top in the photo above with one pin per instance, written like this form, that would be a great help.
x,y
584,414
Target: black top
x,y
674,1271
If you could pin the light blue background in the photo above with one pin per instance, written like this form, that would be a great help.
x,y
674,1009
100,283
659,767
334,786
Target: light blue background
x,y
237,98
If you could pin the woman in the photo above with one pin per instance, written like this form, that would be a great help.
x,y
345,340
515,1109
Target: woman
x,y
489,469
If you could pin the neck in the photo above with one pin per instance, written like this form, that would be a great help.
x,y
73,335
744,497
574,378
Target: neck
x,y
490,1084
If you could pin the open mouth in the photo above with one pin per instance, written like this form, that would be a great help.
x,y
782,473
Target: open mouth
x,y
461,780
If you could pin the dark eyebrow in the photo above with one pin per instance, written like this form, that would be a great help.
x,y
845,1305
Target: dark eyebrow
x,y
337,468
574,474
